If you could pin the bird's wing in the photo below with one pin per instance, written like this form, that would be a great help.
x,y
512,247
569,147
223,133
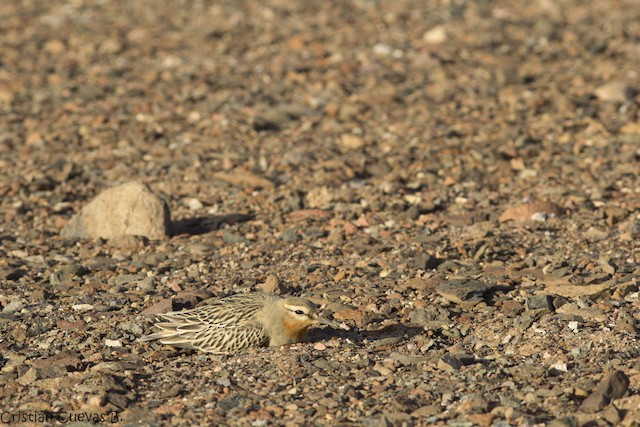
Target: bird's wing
x,y
211,328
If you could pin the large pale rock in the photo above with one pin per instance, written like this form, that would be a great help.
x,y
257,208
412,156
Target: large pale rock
x,y
128,209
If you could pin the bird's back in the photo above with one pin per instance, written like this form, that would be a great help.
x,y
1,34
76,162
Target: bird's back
x,y
235,308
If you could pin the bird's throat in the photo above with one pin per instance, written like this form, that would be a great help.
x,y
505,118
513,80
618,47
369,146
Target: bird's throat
x,y
294,330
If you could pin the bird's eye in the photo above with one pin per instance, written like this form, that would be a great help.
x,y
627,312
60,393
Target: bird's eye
x,y
300,312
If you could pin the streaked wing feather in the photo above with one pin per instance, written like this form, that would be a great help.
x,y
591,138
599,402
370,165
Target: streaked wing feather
x,y
220,326
249,335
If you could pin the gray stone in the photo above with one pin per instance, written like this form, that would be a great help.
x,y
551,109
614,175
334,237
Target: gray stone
x,y
13,306
148,284
612,415
423,262
385,342
425,315
449,362
124,279
289,235
28,378
66,273
464,358
230,402
464,292
407,359
612,387
540,302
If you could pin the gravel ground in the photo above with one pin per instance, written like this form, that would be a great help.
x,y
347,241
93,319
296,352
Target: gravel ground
x,y
457,181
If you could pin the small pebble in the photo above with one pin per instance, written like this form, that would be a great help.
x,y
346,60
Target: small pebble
x,y
319,346
13,307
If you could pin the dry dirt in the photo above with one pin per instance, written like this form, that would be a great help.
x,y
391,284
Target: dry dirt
x,y
457,181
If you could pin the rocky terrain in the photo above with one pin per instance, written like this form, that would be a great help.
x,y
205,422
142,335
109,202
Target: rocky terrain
x,y
456,181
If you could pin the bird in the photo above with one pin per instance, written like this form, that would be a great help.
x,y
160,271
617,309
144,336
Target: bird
x,y
237,322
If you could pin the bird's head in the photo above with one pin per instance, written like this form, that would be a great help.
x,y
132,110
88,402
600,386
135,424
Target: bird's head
x,y
300,313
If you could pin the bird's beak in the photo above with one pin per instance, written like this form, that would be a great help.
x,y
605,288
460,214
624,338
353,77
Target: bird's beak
x,y
332,323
